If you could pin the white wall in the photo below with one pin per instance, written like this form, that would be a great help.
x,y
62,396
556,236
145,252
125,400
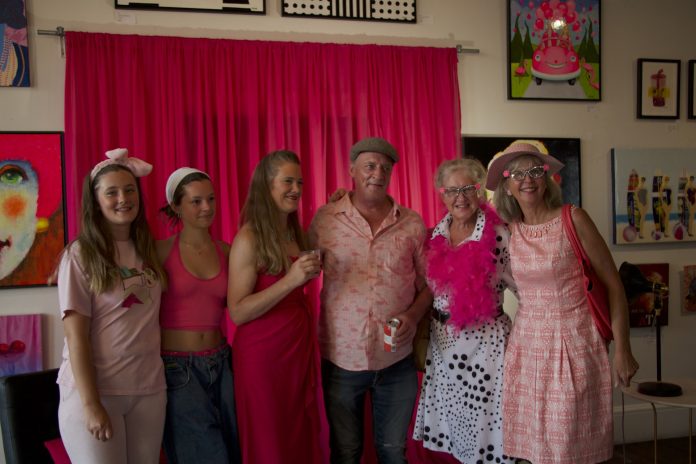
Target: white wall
x,y
630,30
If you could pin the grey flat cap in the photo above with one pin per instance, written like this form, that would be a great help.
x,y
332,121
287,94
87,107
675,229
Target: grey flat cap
x,y
374,145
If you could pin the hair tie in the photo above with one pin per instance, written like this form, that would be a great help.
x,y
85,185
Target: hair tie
x,y
119,156
175,179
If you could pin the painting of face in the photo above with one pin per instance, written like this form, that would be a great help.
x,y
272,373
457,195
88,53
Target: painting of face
x,y
32,231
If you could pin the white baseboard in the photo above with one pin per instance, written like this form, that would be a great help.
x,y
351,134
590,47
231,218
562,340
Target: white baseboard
x,y
672,422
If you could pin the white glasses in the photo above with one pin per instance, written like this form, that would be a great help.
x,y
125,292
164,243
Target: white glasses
x,y
534,172
467,191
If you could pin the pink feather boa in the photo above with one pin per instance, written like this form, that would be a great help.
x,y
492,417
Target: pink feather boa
x,y
466,273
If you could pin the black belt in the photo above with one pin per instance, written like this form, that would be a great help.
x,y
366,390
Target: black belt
x,y
440,316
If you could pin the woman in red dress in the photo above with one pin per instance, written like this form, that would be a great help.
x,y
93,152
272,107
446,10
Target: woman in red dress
x,y
274,349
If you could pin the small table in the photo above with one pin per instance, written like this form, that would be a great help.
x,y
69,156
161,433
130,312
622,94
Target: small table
x,y
686,400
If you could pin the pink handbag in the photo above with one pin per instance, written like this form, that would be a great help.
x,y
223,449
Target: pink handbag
x,y
594,288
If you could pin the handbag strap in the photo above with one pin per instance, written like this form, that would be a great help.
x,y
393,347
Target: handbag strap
x,y
572,235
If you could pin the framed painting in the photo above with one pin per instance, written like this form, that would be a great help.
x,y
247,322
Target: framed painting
x,y
692,90
32,219
208,6
554,50
567,150
20,344
641,311
689,290
654,195
658,88
14,49
364,10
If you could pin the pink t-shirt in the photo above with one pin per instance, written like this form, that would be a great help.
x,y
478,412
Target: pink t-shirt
x,y
368,279
124,324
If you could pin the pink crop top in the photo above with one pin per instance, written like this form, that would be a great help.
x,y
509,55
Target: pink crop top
x,y
191,303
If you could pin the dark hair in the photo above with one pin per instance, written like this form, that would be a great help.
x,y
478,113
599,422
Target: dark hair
x,y
172,218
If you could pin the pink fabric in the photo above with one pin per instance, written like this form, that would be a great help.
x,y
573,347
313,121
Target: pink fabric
x,y
57,451
219,105
557,382
368,279
276,376
186,292
20,344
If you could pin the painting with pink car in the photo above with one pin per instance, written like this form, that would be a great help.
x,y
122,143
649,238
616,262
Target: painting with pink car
x,y
554,50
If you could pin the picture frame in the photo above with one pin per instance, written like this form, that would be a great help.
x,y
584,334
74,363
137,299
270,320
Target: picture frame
x,y
567,150
688,276
257,7
692,90
658,88
653,191
14,58
20,344
32,207
641,307
362,10
554,50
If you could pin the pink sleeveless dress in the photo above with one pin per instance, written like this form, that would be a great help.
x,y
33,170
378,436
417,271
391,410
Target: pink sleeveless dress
x,y
275,364
557,403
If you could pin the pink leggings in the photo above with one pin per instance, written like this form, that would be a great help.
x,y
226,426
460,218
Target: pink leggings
x,y
137,421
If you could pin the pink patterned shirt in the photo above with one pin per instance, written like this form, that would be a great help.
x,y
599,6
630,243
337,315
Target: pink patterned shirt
x,y
368,279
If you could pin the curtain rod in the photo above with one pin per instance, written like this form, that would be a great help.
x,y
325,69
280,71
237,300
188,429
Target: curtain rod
x,y
60,32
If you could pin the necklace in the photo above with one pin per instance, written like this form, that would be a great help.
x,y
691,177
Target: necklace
x,y
197,249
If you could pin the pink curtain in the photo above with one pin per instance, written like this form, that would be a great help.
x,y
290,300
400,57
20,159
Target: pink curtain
x,y
220,105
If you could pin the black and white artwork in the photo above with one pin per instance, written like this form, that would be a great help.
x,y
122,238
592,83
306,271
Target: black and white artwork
x,y
365,10
210,6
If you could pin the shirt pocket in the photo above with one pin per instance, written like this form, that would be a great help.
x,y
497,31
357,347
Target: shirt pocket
x,y
399,255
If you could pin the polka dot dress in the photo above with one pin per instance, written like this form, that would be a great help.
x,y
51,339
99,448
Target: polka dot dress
x,y
459,410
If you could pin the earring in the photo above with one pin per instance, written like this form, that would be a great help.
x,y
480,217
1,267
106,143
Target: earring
x,y
509,193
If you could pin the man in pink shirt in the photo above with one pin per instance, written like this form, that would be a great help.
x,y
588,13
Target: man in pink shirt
x,y
373,265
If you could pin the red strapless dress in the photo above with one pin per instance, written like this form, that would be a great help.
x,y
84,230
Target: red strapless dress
x,y
276,382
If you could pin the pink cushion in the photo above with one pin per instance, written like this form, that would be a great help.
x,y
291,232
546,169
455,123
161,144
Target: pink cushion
x,y
57,451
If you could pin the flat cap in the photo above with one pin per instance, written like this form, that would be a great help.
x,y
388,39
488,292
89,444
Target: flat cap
x,y
374,145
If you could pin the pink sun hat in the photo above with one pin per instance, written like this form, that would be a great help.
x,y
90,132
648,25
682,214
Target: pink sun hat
x,y
515,150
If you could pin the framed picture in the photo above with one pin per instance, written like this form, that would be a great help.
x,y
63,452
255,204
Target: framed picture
x,y
641,308
692,90
365,10
554,50
14,49
689,290
658,88
654,195
32,219
20,344
209,6
567,150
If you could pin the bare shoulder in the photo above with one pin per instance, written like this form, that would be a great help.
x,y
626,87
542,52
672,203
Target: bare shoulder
x,y
582,220
243,249
164,247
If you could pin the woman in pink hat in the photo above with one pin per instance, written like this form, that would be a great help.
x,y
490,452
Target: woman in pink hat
x,y
557,404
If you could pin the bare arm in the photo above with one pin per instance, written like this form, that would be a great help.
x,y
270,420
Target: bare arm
x,y
625,366
243,304
77,335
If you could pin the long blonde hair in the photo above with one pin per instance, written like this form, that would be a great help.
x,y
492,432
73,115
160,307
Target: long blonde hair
x,y
97,251
262,215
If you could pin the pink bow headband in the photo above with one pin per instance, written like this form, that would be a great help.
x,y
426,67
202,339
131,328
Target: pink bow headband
x,y
119,156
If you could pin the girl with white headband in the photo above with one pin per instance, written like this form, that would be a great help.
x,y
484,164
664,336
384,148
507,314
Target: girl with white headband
x,y
112,390
201,425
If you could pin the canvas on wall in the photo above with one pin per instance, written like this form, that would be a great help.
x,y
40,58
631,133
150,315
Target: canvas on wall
x,y
211,6
14,49
365,10
641,308
567,150
689,290
554,50
32,226
20,344
654,195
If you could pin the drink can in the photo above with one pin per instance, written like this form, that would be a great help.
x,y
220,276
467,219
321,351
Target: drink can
x,y
390,328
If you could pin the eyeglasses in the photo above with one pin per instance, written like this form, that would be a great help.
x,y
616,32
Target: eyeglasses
x,y
467,191
534,172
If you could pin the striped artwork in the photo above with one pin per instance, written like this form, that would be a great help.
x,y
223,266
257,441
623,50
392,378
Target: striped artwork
x,y
367,10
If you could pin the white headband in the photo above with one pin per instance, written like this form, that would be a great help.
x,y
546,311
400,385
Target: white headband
x,y
175,179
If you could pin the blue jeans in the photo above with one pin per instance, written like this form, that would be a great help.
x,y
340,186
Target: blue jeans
x,y
393,391
201,423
